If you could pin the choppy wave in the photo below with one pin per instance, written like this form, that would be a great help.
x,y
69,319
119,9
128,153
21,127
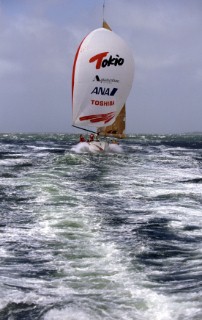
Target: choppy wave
x,y
84,147
100,236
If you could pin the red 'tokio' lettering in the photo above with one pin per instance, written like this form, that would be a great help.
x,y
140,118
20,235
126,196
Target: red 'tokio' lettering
x,y
98,57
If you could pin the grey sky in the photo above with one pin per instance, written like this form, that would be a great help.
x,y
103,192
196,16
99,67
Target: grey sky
x,y
38,41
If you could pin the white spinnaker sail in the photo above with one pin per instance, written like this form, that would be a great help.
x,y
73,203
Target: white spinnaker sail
x,y
101,79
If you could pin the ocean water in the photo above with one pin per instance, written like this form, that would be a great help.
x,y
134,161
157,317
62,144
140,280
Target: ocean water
x,y
100,236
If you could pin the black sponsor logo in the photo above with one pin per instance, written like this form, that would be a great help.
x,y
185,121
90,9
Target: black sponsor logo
x,y
105,80
104,91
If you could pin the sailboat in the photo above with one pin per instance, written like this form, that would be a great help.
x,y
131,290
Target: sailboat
x,y
102,78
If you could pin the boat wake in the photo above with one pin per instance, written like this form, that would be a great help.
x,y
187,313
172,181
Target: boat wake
x,y
84,147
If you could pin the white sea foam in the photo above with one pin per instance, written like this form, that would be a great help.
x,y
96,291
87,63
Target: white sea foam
x,y
84,239
83,147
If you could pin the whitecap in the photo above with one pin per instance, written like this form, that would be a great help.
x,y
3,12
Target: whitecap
x,y
83,147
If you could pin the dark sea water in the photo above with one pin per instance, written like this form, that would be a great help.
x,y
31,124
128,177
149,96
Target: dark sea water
x,y
100,236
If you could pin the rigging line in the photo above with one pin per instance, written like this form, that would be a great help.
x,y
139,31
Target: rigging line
x,y
105,136
83,129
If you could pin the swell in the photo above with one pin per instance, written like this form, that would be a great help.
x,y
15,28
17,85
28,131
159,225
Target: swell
x,y
117,236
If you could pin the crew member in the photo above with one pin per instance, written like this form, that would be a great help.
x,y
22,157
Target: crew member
x,y
82,139
91,137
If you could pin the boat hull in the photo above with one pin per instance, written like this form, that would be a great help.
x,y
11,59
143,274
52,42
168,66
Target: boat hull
x,y
98,146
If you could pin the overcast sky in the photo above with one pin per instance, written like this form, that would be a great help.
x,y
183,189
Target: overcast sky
x,y
38,41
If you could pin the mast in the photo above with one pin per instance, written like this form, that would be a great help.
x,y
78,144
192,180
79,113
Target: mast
x,y
103,12
117,129
104,23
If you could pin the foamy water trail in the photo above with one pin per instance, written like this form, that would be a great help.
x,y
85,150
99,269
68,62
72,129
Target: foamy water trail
x,y
84,147
100,237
